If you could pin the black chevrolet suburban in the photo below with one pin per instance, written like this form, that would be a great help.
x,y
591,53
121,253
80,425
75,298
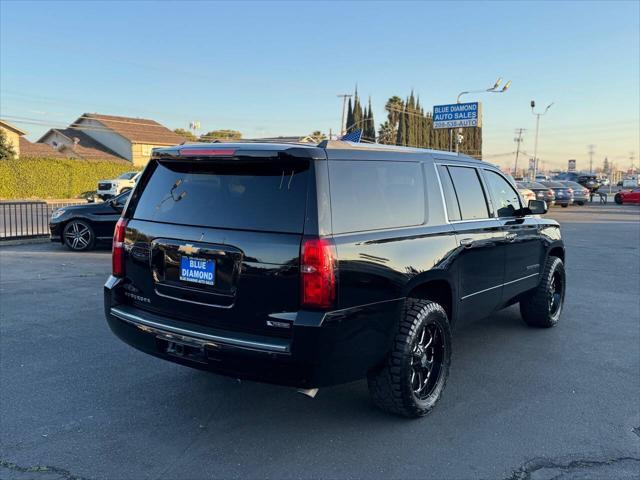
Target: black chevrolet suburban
x,y
310,266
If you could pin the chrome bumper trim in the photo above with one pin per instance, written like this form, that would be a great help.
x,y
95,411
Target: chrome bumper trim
x,y
163,330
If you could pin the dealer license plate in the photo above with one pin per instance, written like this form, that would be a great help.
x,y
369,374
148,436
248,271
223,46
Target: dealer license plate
x,y
197,270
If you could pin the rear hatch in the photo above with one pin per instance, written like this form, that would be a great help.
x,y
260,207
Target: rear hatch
x,y
217,241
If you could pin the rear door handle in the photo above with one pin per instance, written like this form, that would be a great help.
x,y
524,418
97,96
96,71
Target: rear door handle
x,y
466,242
511,236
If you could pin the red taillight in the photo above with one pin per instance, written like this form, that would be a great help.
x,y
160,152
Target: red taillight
x,y
117,249
207,152
317,274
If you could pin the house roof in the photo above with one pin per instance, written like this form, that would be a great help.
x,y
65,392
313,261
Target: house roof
x,y
136,130
84,146
8,126
28,149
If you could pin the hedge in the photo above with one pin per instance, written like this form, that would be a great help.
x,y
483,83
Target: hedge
x,y
42,178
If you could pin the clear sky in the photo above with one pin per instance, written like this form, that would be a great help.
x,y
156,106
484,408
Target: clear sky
x,y
274,68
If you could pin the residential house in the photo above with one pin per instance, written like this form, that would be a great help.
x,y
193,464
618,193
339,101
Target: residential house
x,y
13,134
129,138
74,143
29,149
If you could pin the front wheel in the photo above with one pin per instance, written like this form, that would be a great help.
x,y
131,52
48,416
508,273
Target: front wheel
x,y
541,307
78,236
412,378
618,199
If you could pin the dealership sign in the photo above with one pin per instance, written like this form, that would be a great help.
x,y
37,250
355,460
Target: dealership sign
x,y
457,115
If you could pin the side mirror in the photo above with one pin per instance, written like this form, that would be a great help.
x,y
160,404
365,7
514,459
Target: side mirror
x,y
114,205
538,207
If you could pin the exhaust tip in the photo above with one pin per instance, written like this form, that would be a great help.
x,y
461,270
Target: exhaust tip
x,y
309,392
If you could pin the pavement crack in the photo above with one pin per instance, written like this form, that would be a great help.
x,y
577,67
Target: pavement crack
x,y
526,471
43,469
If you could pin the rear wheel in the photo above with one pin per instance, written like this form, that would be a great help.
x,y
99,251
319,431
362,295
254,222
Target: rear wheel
x,y
414,374
542,306
565,205
78,236
618,199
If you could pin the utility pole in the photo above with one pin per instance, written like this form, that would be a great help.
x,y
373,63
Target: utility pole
x,y
518,141
591,152
344,96
535,145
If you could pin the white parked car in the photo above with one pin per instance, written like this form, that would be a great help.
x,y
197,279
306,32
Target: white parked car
x,y
111,188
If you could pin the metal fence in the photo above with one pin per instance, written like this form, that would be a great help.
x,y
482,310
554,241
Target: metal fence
x,y
20,220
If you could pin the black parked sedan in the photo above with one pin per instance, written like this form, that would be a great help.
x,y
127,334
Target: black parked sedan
x,y
542,192
80,227
580,193
563,194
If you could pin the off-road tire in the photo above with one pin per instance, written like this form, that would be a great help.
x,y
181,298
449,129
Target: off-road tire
x,y
78,236
536,306
390,386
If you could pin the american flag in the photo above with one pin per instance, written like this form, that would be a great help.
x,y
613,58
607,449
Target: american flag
x,y
352,136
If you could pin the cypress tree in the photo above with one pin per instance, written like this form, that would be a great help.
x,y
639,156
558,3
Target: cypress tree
x,y
349,117
401,137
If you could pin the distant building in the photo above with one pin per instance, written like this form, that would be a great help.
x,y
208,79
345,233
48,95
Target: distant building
x,y
29,149
13,134
129,138
74,143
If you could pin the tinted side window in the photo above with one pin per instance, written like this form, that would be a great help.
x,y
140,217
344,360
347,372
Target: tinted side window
x,y
451,202
506,200
372,195
473,204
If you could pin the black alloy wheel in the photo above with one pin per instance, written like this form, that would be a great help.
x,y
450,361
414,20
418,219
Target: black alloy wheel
x,y
412,378
542,306
556,293
426,360
78,236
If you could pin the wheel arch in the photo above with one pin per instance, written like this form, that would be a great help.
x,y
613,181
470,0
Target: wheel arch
x,y
437,289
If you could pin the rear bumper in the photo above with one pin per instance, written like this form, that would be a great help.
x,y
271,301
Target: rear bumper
x,y
323,349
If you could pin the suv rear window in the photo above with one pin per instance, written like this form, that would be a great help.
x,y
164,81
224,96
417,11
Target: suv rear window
x,y
266,196
372,195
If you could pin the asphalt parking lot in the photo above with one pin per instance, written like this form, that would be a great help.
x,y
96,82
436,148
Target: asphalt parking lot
x,y
521,403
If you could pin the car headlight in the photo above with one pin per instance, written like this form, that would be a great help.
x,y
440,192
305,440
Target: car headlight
x,y
58,213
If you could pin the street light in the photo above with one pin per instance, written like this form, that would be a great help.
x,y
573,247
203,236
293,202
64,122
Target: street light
x,y
535,147
495,89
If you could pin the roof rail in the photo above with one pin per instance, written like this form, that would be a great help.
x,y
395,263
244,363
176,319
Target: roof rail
x,y
342,145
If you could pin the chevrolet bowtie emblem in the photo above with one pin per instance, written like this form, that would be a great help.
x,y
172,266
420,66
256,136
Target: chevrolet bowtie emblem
x,y
188,249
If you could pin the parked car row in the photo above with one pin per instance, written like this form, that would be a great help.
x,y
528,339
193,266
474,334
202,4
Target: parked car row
x,y
563,193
